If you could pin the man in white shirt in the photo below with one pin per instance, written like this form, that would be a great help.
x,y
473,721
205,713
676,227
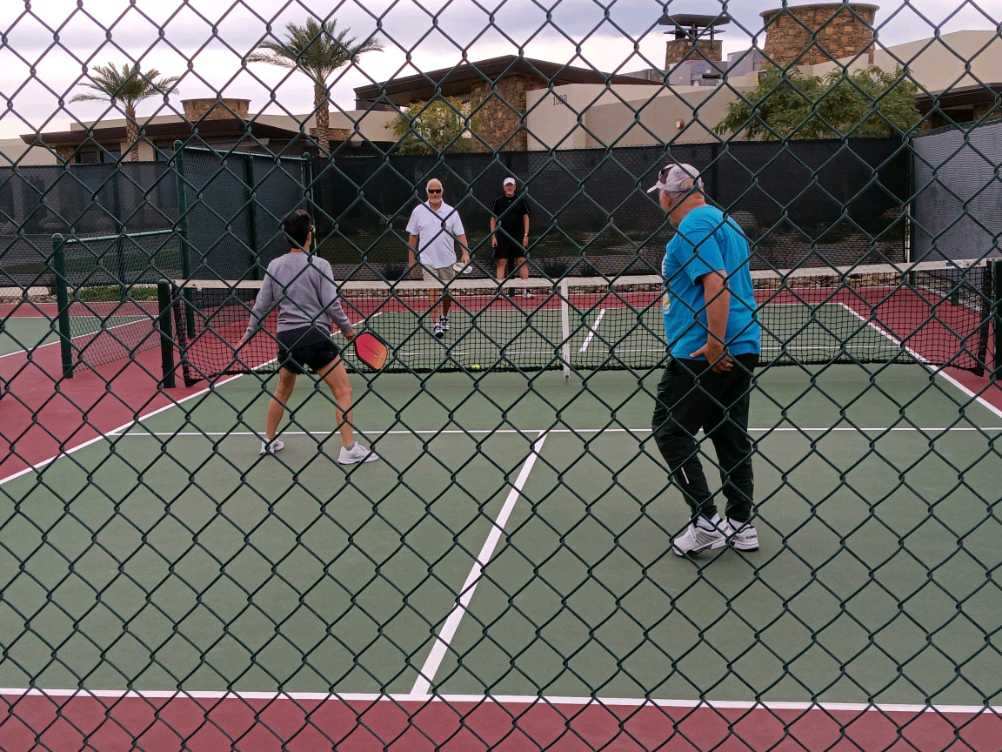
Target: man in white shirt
x,y
434,228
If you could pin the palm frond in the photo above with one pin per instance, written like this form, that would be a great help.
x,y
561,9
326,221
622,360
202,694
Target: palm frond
x,y
273,58
318,49
126,83
89,98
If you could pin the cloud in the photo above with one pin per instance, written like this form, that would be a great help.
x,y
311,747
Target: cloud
x,y
205,41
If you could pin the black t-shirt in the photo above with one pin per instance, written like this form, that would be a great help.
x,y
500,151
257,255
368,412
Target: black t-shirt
x,y
509,213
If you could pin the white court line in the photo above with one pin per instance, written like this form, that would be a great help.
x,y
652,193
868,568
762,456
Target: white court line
x,y
592,328
426,675
523,431
114,431
941,372
638,702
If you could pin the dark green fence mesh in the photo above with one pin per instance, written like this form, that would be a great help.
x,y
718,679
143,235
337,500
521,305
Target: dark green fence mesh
x,y
581,506
235,203
801,203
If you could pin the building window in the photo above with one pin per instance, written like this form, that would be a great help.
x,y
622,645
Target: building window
x,y
90,155
97,155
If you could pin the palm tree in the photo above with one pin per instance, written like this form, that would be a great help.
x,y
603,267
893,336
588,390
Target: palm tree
x,y
130,86
318,50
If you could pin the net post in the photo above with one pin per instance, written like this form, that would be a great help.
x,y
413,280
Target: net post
x,y
996,303
63,305
565,327
251,204
164,313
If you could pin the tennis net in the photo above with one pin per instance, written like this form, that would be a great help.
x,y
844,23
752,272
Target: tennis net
x,y
107,296
938,313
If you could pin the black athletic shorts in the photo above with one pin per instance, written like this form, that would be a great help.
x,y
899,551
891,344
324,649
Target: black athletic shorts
x,y
508,249
309,347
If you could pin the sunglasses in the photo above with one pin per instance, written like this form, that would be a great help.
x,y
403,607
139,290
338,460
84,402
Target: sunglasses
x,y
434,190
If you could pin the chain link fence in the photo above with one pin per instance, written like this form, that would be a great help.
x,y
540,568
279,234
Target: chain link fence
x,y
224,527
801,204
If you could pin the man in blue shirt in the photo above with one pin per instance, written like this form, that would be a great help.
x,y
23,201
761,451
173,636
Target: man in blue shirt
x,y
714,342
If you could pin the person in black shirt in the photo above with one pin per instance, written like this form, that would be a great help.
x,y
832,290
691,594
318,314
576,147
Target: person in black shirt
x,y
510,232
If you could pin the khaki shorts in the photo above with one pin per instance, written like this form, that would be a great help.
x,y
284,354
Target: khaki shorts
x,y
443,274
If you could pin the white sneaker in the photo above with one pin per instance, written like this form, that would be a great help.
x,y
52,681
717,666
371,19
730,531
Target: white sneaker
x,y
443,321
742,536
357,453
438,331
272,447
702,535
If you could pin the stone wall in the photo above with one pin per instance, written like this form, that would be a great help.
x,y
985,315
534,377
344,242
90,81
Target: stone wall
x,y
685,49
334,135
842,30
215,109
500,120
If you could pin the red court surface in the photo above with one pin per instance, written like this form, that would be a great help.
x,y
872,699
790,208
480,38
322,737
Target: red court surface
x,y
159,722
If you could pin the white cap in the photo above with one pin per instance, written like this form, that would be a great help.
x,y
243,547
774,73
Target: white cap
x,y
508,181
677,178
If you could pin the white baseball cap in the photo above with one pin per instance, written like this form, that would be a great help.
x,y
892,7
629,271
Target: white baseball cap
x,y
508,181
677,178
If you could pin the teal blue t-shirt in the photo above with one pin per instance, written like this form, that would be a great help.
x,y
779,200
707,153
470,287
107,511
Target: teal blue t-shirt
x,y
707,242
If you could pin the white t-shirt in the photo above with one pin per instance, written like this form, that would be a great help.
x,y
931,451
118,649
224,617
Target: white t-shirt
x,y
437,233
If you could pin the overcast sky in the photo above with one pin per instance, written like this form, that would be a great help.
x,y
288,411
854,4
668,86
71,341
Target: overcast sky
x,y
45,51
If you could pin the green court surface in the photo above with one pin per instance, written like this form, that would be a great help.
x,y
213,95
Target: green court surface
x,y
175,556
25,333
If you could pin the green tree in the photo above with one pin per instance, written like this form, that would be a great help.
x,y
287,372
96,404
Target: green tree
x,y
868,103
432,127
129,86
318,50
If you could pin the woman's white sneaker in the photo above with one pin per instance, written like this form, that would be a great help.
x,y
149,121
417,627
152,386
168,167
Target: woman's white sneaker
x,y
272,447
357,453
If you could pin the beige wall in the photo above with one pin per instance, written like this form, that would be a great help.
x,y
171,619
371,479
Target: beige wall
x,y
372,125
146,153
15,150
605,118
552,119
939,64
698,108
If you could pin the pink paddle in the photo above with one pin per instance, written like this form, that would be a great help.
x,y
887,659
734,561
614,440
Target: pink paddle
x,y
371,350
